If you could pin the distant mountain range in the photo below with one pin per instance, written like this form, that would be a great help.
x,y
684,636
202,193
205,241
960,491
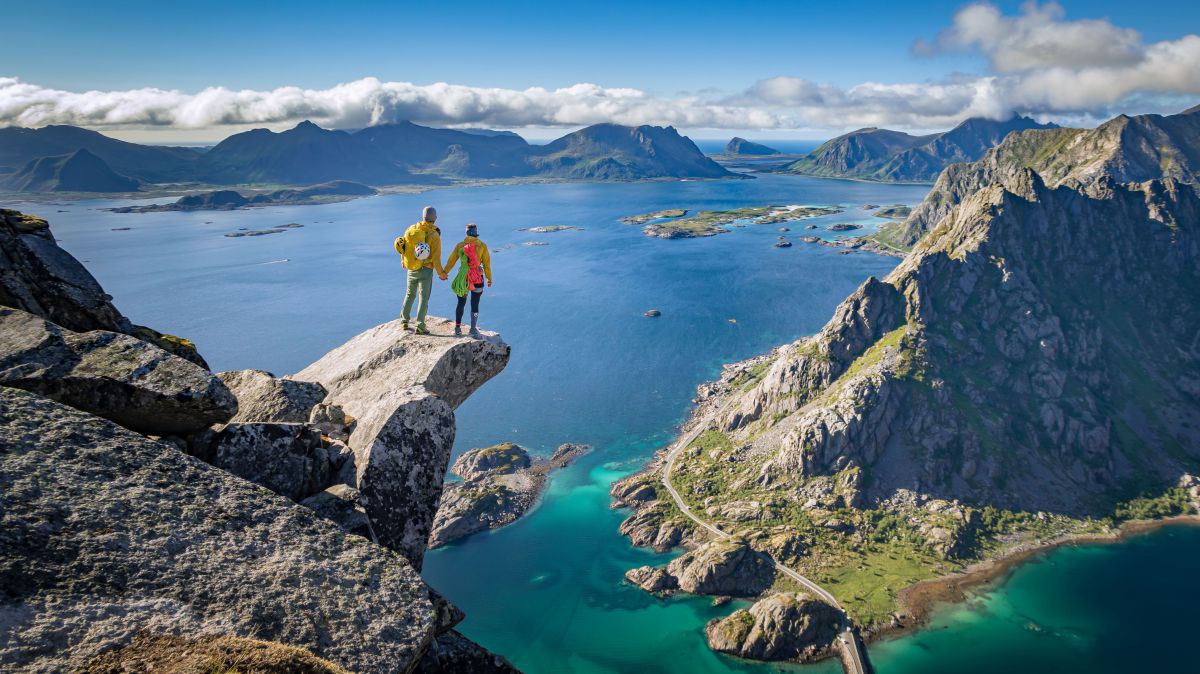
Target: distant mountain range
x,y
391,154
80,171
743,146
895,156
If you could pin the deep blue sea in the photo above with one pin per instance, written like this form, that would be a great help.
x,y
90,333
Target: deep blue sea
x,y
588,367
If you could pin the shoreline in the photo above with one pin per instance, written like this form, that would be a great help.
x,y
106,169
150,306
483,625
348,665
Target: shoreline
x,y
922,600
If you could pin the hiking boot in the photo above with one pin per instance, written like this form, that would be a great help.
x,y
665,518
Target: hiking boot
x,y
476,333
404,324
421,330
458,329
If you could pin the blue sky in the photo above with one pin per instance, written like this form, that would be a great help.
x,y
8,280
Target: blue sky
x,y
666,50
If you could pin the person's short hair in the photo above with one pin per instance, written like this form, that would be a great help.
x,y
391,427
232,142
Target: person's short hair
x,y
429,214
471,225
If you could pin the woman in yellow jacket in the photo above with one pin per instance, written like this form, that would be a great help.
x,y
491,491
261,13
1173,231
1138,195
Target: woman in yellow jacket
x,y
476,266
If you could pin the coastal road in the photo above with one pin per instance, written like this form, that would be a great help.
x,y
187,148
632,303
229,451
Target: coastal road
x,y
854,658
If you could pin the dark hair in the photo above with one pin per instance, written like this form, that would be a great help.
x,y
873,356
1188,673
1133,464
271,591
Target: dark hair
x,y
472,227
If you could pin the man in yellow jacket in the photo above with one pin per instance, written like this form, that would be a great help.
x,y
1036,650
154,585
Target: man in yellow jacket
x,y
421,250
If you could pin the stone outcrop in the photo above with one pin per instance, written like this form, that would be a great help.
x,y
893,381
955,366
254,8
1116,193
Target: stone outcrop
x,y
401,389
730,568
785,626
39,277
262,397
720,568
167,653
105,533
112,375
452,653
654,580
500,484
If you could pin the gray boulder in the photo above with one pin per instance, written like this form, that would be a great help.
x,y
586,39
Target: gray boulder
x,y
105,533
112,375
262,397
401,390
785,626
342,505
288,459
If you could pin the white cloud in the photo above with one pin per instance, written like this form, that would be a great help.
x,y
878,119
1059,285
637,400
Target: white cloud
x,y
365,102
1039,63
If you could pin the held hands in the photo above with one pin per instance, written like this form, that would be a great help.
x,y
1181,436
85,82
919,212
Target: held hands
x,y
489,283
442,276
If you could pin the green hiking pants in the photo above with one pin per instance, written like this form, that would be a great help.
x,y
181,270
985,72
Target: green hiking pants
x,y
421,279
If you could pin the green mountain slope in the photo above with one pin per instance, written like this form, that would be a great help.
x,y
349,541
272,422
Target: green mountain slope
x,y
81,171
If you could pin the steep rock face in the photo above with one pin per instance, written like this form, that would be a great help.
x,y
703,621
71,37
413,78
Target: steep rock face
x,y
105,533
784,626
1027,370
401,389
39,277
111,375
288,459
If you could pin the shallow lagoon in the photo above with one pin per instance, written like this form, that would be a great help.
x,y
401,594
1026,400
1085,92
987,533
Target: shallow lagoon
x,y
586,366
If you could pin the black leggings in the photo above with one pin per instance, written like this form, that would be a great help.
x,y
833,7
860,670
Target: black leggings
x,y
462,303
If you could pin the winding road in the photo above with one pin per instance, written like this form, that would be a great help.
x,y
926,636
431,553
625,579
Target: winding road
x,y
854,659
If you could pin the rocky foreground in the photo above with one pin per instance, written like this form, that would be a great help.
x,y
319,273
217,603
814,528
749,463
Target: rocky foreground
x,y
148,504
1030,371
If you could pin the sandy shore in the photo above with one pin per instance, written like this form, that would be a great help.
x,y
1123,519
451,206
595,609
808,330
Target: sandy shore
x,y
920,600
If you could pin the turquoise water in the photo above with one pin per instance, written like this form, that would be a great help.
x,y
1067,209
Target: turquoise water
x,y
586,366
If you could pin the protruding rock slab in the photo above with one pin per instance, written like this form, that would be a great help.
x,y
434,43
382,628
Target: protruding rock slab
x,y
785,626
401,389
262,397
105,533
365,369
112,375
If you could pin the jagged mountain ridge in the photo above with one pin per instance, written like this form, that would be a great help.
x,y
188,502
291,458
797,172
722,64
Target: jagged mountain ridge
x,y
894,156
1125,149
389,154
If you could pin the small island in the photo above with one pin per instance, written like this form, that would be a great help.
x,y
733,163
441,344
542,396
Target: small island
x,y
262,232
499,484
656,215
710,223
894,212
844,227
229,200
549,229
